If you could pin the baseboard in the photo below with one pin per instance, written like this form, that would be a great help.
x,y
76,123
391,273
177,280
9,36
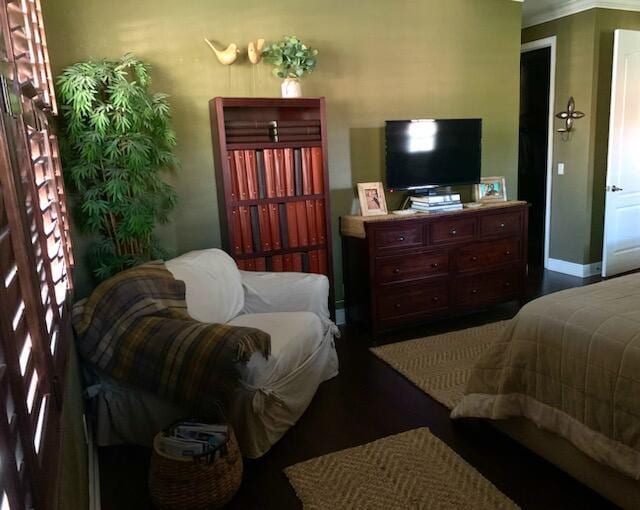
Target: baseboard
x,y
341,318
573,269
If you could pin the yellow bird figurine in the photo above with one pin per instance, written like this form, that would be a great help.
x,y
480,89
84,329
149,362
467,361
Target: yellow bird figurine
x,y
227,56
255,51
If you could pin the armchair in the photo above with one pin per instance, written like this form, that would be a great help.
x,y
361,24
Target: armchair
x,y
274,393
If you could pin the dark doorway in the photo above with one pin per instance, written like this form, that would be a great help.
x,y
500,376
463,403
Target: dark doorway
x,y
535,78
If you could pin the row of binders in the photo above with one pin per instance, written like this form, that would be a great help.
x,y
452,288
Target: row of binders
x,y
194,439
271,173
313,261
268,227
436,203
260,131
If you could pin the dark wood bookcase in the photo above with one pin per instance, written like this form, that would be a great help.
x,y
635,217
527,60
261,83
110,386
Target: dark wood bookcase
x,y
272,179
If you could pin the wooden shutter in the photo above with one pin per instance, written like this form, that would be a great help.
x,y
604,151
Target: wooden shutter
x,y
35,264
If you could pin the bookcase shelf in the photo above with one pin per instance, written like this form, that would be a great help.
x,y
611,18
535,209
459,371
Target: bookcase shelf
x,y
272,180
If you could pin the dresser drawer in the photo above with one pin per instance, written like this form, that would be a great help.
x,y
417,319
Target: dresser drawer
x,y
488,287
416,299
485,255
504,223
452,230
401,268
404,237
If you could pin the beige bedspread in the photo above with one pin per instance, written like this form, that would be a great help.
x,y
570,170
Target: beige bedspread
x,y
570,362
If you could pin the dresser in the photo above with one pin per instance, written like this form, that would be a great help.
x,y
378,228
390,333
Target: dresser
x,y
403,270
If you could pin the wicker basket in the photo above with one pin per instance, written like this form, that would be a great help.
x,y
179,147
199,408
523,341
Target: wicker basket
x,y
178,483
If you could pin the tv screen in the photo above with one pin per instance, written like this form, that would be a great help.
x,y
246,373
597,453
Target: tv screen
x,y
430,152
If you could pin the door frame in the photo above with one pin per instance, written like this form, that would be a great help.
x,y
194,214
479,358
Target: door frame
x,y
547,42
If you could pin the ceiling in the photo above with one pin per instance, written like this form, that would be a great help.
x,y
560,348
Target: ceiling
x,y
540,11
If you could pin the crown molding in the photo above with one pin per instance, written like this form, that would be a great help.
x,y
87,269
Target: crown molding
x,y
575,6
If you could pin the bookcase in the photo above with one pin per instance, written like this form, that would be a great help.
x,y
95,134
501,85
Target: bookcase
x,y
273,183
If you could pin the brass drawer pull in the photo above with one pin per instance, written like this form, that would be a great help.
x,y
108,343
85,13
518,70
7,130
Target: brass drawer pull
x,y
435,265
396,271
435,299
474,258
502,225
507,284
453,232
401,238
507,253
398,305
474,291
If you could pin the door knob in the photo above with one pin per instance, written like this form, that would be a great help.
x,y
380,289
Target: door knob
x,y
615,188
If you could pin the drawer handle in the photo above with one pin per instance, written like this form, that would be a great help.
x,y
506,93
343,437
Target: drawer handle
x,y
502,225
507,253
453,232
401,238
435,265
507,284
398,305
435,299
396,270
474,291
474,258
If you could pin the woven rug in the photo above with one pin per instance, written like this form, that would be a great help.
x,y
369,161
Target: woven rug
x,y
407,471
441,365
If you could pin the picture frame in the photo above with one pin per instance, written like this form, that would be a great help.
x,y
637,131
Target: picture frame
x,y
491,189
372,200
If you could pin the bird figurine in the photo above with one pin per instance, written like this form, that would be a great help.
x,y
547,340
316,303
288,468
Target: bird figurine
x,y
255,51
227,56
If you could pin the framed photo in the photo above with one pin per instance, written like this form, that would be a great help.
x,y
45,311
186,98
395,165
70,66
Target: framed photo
x,y
371,195
491,189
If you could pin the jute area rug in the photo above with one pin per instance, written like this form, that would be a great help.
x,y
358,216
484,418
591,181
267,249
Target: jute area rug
x,y
441,365
412,470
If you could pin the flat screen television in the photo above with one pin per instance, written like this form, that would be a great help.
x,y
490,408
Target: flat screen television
x,y
426,153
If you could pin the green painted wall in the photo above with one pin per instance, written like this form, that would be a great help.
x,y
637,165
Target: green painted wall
x,y
378,60
583,70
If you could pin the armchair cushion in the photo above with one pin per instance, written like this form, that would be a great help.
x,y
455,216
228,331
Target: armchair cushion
x,y
214,290
286,292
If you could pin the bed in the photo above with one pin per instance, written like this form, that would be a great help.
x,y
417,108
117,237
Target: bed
x,y
564,380
291,307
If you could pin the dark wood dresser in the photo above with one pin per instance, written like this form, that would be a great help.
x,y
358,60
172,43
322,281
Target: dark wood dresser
x,y
402,270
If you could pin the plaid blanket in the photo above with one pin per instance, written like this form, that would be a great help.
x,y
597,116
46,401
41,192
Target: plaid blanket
x,y
136,328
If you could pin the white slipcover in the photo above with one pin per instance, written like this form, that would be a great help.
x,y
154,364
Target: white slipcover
x,y
274,393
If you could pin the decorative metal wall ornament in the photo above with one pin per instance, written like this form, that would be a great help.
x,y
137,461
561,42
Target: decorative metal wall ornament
x,y
569,116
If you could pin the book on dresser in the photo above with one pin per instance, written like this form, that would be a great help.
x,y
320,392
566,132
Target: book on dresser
x,y
272,182
400,271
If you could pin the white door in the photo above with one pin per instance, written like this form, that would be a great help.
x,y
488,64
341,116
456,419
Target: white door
x,y
622,209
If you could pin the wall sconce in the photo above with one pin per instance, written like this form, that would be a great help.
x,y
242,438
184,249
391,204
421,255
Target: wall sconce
x,y
569,116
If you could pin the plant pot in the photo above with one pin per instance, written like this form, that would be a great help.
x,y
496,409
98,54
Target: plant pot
x,y
291,87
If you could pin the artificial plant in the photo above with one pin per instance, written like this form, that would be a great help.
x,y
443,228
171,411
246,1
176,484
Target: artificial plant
x,y
291,57
118,141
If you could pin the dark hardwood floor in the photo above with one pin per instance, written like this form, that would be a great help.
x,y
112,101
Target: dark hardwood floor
x,y
368,401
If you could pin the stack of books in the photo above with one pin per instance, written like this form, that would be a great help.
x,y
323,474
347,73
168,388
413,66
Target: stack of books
x,y
436,203
193,439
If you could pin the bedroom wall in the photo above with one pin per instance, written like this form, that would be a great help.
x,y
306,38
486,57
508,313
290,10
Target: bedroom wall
x,y
378,60
584,65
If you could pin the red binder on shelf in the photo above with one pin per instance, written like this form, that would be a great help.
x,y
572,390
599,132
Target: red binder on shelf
x,y
292,225
303,228
278,157
311,222
245,229
323,267
307,186
252,174
287,262
236,233
317,170
289,173
274,222
235,192
314,264
250,265
265,229
321,223
296,262
241,264
241,175
261,264
277,263
269,173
